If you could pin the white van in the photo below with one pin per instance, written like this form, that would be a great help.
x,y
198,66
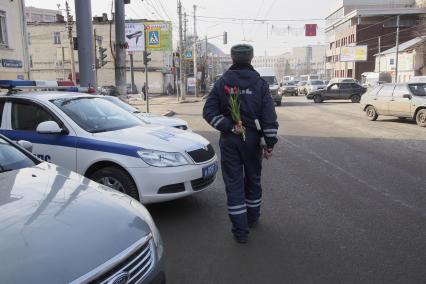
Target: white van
x,y
268,74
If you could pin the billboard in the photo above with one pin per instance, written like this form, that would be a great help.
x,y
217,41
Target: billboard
x,y
159,36
354,53
135,36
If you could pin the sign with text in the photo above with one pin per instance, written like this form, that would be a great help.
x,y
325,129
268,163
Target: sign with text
x,y
135,36
159,36
11,63
354,53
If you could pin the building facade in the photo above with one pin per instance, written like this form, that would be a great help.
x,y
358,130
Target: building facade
x,y
14,59
410,59
38,15
49,48
300,61
367,22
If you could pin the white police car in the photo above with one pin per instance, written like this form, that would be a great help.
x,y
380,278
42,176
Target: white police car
x,y
93,137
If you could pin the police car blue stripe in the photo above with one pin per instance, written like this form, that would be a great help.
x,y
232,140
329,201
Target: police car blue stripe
x,y
73,142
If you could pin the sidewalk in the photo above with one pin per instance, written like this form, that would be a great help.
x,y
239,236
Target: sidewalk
x,y
160,104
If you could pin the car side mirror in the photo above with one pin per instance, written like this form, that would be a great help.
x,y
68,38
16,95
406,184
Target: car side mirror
x,y
407,96
49,127
26,145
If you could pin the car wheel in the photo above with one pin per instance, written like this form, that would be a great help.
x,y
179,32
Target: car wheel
x,y
318,99
371,113
421,118
356,98
117,179
278,103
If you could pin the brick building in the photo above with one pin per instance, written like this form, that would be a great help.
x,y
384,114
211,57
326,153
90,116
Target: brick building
x,y
363,23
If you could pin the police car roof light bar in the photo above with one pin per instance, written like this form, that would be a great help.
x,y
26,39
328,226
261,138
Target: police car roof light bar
x,y
15,85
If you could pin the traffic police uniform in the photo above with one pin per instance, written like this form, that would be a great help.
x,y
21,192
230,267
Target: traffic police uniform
x,y
242,160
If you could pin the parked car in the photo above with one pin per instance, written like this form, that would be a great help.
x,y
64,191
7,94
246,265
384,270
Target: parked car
x,y
59,227
105,143
418,79
301,87
399,100
338,91
268,75
108,91
149,118
288,88
315,85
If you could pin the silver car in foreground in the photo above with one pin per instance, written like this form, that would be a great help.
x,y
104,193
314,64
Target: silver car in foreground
x,y
59,227
400,100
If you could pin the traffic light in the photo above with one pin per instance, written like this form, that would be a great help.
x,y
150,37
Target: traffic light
x,y
225,38
102,55
146,57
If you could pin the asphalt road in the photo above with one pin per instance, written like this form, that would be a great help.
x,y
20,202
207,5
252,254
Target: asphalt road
x,y
344,202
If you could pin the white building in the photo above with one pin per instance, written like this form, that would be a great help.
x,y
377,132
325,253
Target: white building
x,y
410,59
50,56
39,15
14,63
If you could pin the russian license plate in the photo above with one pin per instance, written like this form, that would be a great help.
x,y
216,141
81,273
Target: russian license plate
x,y
210,171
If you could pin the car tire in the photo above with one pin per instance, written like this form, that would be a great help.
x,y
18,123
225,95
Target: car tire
x,y
117,179
371,113
318,99
356,98
421,118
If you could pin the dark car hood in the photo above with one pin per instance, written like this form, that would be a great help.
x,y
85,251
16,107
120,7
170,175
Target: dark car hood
x,y
56,226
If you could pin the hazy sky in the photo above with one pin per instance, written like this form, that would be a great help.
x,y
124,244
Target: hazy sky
x,y
272,38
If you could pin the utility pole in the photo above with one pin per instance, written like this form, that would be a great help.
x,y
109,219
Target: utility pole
x,y
86,60
397,49
207,61
182,55
120,47
70,38
195,52
380,51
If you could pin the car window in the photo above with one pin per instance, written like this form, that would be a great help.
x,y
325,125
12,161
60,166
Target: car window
x,y
418,89
355,86
375,90
97,115
11,158
334,87
317,82
345,86
27,116
271,80
400,90
386,91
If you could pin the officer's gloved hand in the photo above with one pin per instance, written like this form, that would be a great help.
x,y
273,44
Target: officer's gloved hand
x,y
238,129
267,153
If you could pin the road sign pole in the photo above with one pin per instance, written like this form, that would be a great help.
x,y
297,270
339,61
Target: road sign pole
x,y
132,73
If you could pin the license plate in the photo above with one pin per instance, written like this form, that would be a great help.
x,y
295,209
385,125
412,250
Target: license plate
x,y
210,171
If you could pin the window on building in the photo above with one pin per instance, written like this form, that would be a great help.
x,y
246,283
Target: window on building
x,y
3,29
29,38
31,61
56,37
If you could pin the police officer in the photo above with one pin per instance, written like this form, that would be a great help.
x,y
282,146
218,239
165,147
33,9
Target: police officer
x,y
242,160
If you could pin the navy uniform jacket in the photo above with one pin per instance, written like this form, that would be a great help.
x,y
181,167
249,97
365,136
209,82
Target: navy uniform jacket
x,y
256,103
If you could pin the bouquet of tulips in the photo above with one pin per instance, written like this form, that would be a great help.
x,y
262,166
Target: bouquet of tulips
x,y
234,107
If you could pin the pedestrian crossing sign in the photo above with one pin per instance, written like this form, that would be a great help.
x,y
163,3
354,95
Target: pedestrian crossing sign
x,y
154,39
188,55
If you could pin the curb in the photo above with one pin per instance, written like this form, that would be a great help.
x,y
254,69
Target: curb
x,y
169,113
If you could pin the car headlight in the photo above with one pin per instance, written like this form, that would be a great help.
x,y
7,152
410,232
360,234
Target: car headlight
x,y
163,159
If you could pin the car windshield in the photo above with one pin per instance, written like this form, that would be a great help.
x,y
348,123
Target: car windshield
x,y
271,80
96,115
290,83
418,89
11,158
121,104
317,82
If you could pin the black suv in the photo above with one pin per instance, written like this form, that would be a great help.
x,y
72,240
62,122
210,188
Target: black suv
x,y
338,91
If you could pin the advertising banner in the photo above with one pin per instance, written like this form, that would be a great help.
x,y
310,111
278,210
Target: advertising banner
x,y
354,53
159,36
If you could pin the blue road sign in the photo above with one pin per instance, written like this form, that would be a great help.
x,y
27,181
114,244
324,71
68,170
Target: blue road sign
x,y
188,55
154,38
